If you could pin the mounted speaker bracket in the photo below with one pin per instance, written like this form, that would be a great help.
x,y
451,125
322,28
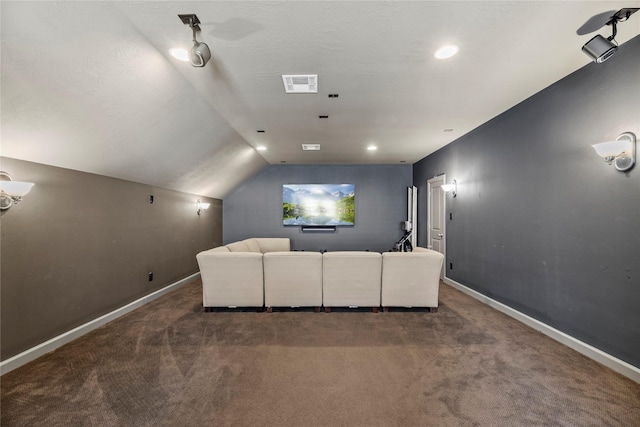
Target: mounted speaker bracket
x,y
190,19
200,53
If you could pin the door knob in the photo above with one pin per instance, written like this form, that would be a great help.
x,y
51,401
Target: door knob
x,y
440,234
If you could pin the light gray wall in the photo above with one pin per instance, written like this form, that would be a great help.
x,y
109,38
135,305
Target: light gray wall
x,y
81,245
542,224
255,208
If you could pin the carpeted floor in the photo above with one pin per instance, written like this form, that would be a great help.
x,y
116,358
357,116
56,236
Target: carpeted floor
x,y
171,364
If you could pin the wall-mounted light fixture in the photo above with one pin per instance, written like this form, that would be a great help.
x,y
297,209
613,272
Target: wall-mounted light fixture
x,y
621,152
201,206
12,191
451,188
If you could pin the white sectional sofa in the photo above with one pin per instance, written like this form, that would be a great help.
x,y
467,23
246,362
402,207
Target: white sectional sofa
x,y
264,272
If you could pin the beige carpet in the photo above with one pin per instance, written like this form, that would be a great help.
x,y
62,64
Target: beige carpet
x,y
171,364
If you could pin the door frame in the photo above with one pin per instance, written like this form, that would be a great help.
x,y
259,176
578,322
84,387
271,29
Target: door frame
x,y
443,179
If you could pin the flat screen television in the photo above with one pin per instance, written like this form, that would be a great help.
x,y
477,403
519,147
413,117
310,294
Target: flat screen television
x,y
318,204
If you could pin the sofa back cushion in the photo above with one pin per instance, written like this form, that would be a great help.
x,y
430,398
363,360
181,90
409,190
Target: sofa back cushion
x,y
253,245
238,247
273,244
215,250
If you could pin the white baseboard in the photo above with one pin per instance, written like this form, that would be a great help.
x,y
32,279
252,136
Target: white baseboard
x,y
56,342
591,352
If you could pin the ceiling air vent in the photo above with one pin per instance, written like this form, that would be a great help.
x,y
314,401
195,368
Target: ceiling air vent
x,y
300,83
311,147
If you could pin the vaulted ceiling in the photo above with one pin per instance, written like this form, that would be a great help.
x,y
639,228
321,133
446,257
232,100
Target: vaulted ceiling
x,y
91,86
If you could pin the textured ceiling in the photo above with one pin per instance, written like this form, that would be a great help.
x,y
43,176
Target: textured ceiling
x,y
91,86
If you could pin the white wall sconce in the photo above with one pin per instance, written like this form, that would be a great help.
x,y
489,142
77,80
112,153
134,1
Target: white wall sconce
x,y
202,206
12,191
451,188
621,152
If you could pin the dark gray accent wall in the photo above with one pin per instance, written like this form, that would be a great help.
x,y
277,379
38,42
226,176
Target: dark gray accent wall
x,y
81,245
542,224
255,208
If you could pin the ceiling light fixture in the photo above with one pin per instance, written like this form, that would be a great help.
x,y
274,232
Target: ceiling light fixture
x,y
261,148
446,52
199,53
311,147
372,148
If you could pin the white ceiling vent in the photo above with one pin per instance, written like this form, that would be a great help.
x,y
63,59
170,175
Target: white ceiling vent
x,y
300,83
311,147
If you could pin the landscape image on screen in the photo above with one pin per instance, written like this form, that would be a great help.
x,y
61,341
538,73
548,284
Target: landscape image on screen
x,y
318,204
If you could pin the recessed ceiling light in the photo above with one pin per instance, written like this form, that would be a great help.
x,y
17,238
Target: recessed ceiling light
x,y
180,54
311,147
446,52
372,148
261,148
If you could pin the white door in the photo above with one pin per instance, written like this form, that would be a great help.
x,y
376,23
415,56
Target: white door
x,y
436,215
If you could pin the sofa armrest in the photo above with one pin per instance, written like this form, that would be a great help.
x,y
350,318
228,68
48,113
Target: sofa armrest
x,y
411,279
420,249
